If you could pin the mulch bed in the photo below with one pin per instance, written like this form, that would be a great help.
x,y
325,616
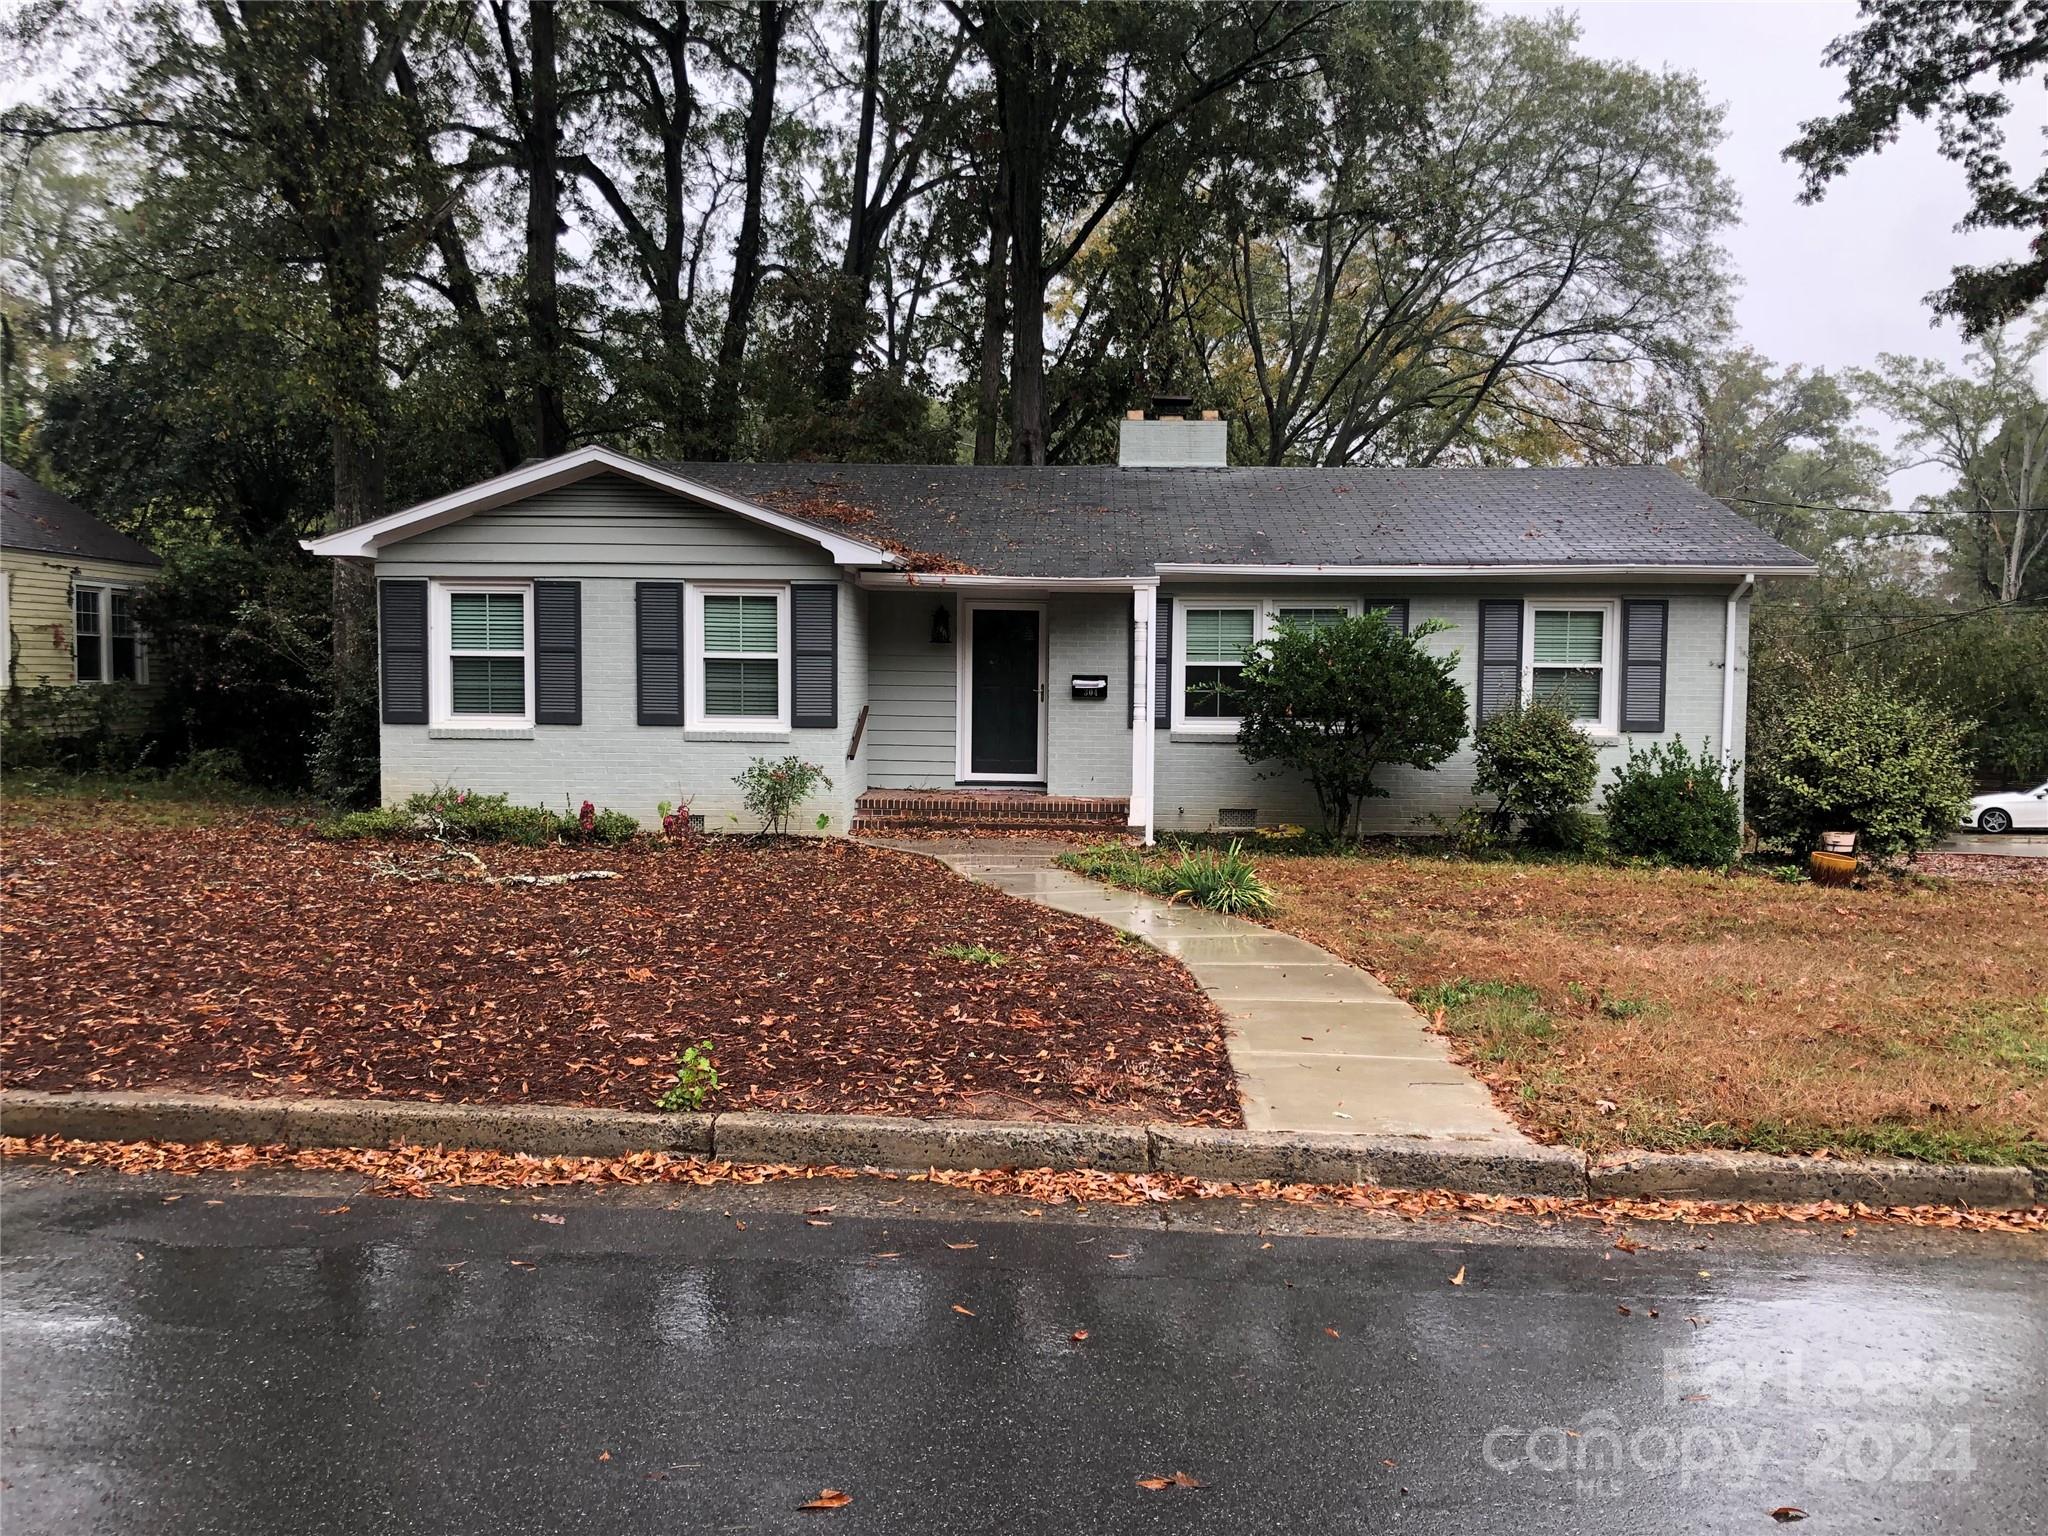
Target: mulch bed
x,y
248,956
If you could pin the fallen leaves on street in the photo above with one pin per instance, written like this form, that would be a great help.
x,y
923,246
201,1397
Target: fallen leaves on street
x,y
422,1172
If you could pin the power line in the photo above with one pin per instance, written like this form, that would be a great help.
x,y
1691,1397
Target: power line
x,y
1821,506
1949,618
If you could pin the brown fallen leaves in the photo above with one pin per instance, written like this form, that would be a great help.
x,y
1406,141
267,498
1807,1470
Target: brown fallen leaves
x,y
418,1172
1176,1480
828,1498
248,957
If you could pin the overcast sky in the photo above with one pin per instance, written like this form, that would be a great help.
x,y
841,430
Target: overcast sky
x,y
1834,284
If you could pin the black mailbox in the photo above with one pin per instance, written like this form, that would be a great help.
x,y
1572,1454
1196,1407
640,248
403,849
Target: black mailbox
x,y
1090,687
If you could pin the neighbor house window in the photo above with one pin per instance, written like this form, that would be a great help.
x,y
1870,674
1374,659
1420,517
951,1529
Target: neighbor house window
x,y
485,676
1567,660
106,643
738,638
1210,640
1216,640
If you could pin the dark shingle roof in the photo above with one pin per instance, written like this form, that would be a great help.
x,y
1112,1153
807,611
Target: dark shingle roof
x,y
34,517
1102,521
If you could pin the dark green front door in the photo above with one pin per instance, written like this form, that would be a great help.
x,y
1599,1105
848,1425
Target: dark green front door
x,y
1003,723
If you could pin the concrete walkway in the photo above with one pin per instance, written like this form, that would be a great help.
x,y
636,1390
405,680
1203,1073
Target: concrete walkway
x,y
1317,1043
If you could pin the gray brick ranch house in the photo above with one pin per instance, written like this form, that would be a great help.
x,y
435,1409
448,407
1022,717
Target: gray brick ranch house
x,y
1014,642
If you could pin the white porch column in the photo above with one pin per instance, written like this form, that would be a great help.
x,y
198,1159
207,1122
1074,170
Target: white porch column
x,y
1144,613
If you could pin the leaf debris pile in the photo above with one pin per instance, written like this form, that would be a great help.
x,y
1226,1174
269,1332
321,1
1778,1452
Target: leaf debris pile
x,y
420,1172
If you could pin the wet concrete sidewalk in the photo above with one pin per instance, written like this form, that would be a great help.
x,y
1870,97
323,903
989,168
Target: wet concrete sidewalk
x,y
1317,1043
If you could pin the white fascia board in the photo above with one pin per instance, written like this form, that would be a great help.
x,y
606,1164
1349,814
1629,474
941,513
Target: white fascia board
x,y
896,581
1175,572
367,539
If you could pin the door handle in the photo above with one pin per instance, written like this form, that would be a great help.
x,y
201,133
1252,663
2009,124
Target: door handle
x,y
1041,693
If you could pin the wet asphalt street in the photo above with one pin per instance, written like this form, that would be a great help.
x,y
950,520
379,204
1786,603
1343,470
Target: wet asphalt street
x,y
251,1357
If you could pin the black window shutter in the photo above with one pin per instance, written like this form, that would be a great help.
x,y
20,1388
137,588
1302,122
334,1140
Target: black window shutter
x,y
1645,626
558,652
814,654
402,650
658,623
1162,664
1396,609
1500,657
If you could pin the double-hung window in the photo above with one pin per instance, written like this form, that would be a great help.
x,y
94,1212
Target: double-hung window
x,y
1568,660
1215,642
1210,641
484,671
106,643
739,664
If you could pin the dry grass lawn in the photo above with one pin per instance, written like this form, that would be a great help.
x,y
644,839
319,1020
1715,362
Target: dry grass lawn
x,y
1667,1009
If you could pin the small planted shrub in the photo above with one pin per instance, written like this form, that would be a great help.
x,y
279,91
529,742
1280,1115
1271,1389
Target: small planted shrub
x,y
458,816
1674,806
1222,881
972,954
773,790
696,1080
676,825
1540,767
1856,757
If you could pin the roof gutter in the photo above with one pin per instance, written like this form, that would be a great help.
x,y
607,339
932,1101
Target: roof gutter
x,y
1376,572
896,581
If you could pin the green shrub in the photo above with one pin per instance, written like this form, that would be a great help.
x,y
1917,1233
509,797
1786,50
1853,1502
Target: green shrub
x,y
1540,767
972,954
458,816
696,1080
1858,758
1677,808
1336,702
773,790
1222,880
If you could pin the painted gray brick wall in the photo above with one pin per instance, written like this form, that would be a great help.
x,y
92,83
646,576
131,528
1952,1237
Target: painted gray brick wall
x,y
1088,742
1195,777
609,534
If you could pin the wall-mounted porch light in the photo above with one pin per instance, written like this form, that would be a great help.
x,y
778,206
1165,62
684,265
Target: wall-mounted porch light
x,y
942,625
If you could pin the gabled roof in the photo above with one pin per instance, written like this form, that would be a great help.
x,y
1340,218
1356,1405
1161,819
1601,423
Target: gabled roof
x,y
566,469
34,517
1100,522
1103,521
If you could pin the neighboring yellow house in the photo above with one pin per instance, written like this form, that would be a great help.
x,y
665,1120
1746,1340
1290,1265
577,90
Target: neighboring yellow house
x,y
67,591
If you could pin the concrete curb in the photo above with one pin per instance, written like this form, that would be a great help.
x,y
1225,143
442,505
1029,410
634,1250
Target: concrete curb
x,y
881,1141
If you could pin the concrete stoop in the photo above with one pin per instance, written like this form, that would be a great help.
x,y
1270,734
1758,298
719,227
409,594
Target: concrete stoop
x,y
1473,1165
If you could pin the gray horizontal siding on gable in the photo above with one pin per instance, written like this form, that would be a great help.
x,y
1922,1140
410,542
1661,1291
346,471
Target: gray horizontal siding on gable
x,y
913,691
607,526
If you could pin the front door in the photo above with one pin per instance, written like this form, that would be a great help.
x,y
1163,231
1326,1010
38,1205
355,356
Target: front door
x,y
1004,693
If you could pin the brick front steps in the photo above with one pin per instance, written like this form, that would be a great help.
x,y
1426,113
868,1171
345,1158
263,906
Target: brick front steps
x,y
881,810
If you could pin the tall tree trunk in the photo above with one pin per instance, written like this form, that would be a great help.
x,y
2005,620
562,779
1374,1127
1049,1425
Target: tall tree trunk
x,y
995,309
856,266
1021,108
543,196
746,254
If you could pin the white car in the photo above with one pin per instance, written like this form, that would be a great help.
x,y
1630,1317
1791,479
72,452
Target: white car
x,y
2001,813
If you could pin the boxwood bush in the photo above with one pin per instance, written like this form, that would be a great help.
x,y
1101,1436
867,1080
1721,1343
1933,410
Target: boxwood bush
x,y
1668,804
1541,768
463,817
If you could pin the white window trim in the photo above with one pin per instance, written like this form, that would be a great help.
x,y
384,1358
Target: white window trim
x,y
1265,620
1608,723
106,590
695,654
441,670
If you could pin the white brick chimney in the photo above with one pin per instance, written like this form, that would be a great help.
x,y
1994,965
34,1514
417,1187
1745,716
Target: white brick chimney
x,y
1170,438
